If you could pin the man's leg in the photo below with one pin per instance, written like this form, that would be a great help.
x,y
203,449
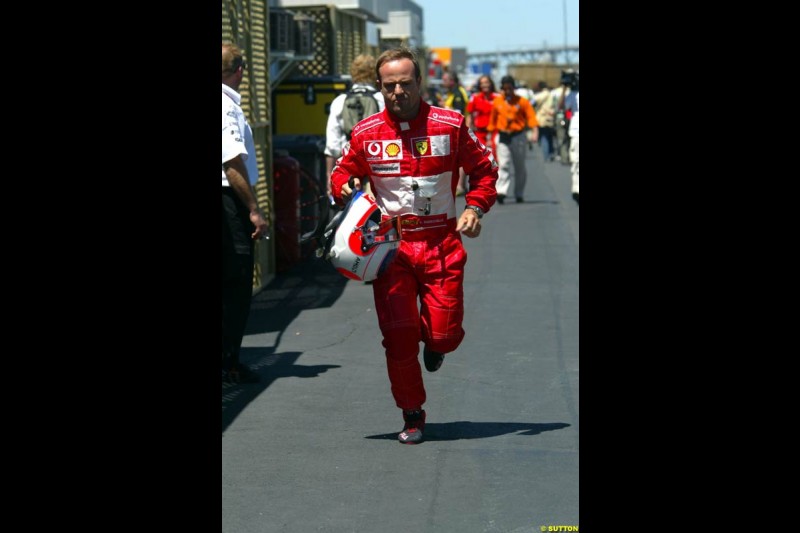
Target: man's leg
x,y
237,292
237,284
574,157
442,300
518,145
503,171
395,293
546,142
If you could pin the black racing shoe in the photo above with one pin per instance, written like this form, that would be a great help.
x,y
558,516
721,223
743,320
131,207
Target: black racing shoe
x,y
412,430
433,360
241,374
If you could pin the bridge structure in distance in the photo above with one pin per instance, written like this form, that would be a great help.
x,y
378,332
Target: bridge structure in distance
x,y
566,55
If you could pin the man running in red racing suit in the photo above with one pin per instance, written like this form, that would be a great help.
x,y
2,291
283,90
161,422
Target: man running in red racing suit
x,y
407,157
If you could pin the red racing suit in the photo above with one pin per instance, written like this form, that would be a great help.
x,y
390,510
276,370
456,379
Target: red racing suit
x,y
413,170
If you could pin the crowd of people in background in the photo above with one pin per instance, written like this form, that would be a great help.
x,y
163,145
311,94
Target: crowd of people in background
x,y
553,109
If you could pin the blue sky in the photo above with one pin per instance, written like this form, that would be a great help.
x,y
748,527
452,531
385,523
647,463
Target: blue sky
x,y
499,25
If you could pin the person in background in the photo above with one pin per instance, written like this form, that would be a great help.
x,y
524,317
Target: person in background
x,y
511,116
524,91
242,220
479,109
563,115
411,160
572,106
456,97
362,70
544,105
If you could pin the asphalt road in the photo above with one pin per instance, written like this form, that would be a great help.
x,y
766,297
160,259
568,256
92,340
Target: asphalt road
x,y
313,446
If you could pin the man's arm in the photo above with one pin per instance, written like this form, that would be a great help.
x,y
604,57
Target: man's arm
x,y
334,139
330,162
481,167
479,164
351,164
236,173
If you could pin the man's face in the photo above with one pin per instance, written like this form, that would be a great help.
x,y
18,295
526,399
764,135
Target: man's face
x,y
400,89
508,89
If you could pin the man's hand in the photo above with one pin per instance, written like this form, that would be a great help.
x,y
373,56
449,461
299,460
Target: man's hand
x,y
469,224
353,185
349,188
260,223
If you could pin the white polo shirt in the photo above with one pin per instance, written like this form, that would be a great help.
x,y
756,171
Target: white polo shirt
x,y
237,137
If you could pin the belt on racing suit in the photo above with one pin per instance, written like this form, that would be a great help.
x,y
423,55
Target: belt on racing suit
x,y
419,228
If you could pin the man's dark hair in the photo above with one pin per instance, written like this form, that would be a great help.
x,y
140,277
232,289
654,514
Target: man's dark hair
x,y
507,79
394,54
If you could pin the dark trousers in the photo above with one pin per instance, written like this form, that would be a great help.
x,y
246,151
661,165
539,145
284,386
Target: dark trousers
x,y
237,274
547,139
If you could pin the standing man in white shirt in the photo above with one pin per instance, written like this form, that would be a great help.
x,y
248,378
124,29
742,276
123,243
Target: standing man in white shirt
x,y
242,220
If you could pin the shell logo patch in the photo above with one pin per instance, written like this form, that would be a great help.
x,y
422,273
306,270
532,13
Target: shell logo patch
x,y
383,150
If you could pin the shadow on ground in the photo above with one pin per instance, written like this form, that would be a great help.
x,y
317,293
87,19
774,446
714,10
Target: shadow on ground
x,y
270,366
476,430
310,284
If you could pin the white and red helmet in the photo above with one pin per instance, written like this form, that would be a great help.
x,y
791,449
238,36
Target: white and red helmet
x,y
363,245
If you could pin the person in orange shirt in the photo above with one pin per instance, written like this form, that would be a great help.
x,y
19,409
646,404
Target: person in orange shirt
x,y
511,116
